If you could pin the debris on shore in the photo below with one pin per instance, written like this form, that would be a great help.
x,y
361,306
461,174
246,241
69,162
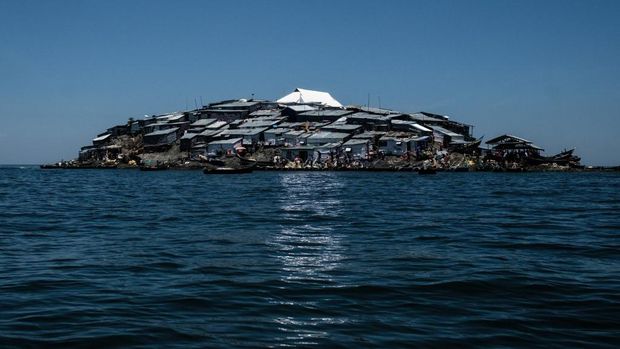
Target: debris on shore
x,y
309,130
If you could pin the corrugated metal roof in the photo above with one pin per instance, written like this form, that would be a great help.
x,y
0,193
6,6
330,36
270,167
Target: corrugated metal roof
x,y
202,122
422,128
225,111
347,127
301,108
328,134
369,135
368,116
327,112
412,124
506,137
297,133
189,135
445,132
216,125
258,123
236,104
209,133
175,118
268,113
162,132
227,141
422,117
243,131
280,130
356,141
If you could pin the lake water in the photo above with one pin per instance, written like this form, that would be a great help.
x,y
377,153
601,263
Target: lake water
x,y
179,259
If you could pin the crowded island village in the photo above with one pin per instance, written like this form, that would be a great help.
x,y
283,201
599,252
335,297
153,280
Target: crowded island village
x,y
308,130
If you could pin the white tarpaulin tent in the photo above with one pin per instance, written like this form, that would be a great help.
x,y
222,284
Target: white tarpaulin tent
x,y
309,96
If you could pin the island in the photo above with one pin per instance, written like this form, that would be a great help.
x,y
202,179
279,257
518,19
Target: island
x,y
308,130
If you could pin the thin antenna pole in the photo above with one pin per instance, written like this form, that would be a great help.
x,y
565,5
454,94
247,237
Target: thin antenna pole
x,y
201,103
379,98
195,103
368,103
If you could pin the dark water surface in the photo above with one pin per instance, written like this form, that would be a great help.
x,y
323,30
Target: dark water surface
x,y
122,258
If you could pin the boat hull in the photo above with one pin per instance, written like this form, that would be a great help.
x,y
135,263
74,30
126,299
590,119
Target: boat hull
x,y
224,170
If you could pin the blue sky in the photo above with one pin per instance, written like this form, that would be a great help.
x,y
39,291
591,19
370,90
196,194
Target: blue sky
x,y
548,71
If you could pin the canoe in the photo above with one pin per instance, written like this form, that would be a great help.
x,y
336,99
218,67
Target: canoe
x,y
425,171
153,167
227,170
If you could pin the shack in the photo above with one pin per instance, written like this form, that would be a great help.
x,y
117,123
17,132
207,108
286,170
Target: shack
x,y
118,130
410,126
218,125
200,125
325,137
188,140
250,136
198,149
513,146
224,146
275,136
161,138
102,139
394,145
235,109
419,144
159,126
327,152
357,149
444,137
304,153
136,127
296,137
370,121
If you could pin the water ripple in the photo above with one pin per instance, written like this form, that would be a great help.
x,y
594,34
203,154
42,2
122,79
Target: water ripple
x,y
131,259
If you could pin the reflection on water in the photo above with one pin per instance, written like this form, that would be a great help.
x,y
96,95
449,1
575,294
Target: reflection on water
x,y
307,252
308,245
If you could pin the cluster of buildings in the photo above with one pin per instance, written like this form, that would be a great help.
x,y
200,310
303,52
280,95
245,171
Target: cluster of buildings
x,y
304,125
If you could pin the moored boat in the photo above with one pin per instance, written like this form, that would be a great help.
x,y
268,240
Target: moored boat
x,y
426,171
228,170
153,166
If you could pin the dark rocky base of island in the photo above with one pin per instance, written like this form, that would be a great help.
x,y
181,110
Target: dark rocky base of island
x,y
309,131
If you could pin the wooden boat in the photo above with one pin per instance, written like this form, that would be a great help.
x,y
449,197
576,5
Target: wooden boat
x,y
426,171
51,166
227,170
250,162
74,166
153,167
566,157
